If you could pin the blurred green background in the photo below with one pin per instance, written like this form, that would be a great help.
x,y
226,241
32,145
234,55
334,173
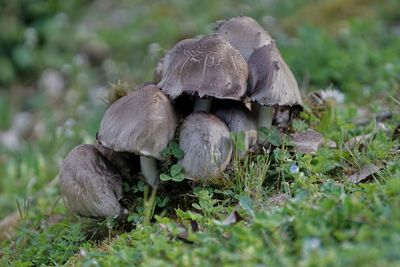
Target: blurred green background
x,y
59,58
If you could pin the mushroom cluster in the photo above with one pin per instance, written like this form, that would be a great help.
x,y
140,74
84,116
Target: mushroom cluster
x,y
229,81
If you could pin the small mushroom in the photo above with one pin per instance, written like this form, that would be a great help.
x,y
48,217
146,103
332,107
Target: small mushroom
x,y
238,119
89,185
271,83
209,67
244,34
208,149
142,122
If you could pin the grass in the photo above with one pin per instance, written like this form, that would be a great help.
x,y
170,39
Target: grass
x,y
280,208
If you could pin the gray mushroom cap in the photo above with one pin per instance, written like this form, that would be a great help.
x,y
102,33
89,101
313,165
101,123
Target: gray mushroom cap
x,y
142,122
239,119
162,65
244,34
89,185
271,82
208,149
207,67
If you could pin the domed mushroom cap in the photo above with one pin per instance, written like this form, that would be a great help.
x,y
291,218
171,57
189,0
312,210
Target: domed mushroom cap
x,y
271,82
208,149
162,65
209,67
244,34
89,185
142,122
239,119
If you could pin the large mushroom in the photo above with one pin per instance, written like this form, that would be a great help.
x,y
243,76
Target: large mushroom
x,y
142,122
271,83
89,185
239,119
209,67
206,142
244,34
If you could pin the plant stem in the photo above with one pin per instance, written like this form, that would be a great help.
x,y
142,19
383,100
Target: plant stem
x,y
264,119
149,205
149,170
202,104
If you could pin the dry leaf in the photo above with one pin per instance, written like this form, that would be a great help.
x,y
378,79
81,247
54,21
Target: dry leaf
x,y
8,225
358,140
183,233
233,218
331,144
363,139
365,172
307,142
278,200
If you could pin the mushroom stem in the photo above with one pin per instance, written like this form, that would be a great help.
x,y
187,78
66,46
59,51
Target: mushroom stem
x,y
264,119
149,169
202,104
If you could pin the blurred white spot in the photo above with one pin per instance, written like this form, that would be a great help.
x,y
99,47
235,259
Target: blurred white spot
x,y
83,252
22,123
98,95
332,94
81,59
54,84
10,140
69,123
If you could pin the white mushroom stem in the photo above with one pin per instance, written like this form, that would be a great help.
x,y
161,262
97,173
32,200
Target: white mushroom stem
x,y
202,104
264,119
149,169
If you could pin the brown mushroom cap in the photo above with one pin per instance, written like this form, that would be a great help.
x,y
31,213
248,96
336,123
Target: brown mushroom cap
x,y
207,67
271,83
244,34
142,122
239,119
208,149
89,185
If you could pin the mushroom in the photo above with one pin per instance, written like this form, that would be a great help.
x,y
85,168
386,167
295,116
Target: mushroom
x,y
209,67
271,83
208,149
244,34
89,185
142,122
239,119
